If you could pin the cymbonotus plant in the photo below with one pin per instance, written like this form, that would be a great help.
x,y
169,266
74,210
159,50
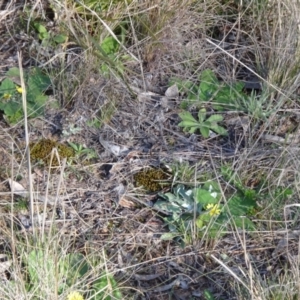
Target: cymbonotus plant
x,y
11,94
204,207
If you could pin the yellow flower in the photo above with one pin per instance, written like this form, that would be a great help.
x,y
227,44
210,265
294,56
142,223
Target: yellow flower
x,y
214,209
7,96
19,89
75,296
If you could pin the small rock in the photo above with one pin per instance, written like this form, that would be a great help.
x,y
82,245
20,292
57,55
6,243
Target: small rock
x,y
172,91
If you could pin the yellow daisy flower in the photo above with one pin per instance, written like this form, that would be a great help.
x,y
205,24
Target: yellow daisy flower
x,y
214,209
19,89
75,296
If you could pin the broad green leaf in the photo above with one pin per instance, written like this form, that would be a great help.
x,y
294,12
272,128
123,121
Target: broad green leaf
x,y
11,108
218,129
204,219
60,38
37,100
204,197
167,206
239,206
215,118
201,115
180,190
199,223
105,288
187,116
212,186
39,27
75,266
192,96
208,85
13,72
44,35
15,118
188,123
204,131
38,82
243,223
38,262
7,87
192,129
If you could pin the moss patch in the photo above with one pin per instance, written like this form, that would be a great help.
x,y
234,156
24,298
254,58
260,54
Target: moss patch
x,y
43,148
151,179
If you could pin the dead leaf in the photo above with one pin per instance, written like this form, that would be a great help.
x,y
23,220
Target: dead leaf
x,y
17,188
112,148
126,203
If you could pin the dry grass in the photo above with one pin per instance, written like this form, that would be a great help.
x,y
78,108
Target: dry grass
x,y
94,208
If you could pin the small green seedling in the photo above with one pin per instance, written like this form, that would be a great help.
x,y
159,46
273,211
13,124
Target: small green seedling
x,y
190,124
222,96
110,48
81,151
47,37
36,83
246,197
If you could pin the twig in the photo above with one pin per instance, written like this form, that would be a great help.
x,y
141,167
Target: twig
x,y
30,188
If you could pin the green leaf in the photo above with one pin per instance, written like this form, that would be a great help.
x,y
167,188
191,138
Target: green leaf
x,y
168,236
187,116
105,288
167,196
34,261
204,131
74,267
12,108
211,186
244,223
192,129
7,87
44,36
201,115
204,197
110,45
38,82
188,123
239,206
199,223
39,27
218,129
208,85
172,207
15,118
13,72
60,38
215,118
208,295
180,191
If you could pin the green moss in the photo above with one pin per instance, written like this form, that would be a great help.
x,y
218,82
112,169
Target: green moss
x,y
43,148
150,179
